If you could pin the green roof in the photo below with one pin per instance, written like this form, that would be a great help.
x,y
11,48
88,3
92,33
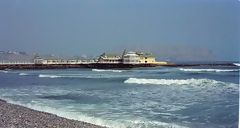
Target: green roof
x,y
110,55
145,54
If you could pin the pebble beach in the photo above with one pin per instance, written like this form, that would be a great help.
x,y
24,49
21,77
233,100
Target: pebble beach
x,y
15,116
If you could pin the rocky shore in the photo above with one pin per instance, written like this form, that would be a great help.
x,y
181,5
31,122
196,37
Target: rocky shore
x,y
15,116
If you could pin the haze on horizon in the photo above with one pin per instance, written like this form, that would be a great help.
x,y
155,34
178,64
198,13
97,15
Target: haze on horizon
x,y
175,30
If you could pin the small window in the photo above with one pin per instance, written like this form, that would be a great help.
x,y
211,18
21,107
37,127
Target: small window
x,y
145,61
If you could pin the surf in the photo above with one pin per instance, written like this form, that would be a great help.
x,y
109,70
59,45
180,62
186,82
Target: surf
x,y
48,76
106,70
23,74
3,71
202,83
87,76
97,120
167,81
237,64
208,70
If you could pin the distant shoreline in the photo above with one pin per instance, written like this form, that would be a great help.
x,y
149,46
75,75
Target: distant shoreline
x,y
12,115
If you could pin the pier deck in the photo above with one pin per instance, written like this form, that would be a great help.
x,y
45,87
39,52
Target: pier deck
x,y
33,66
65,66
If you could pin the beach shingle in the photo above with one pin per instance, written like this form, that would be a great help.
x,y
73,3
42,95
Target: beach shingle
x,y
15,116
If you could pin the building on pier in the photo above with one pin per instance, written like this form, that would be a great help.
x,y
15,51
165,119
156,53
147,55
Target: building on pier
x,y
125,58
109,58
128,58
41,60
131,58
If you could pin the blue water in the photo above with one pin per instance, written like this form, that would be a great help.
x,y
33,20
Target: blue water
x,y
137,98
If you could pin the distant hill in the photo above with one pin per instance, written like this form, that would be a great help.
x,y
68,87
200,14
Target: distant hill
x,y
13,56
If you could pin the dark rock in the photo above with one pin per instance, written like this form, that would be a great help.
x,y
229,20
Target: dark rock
x,y
3,101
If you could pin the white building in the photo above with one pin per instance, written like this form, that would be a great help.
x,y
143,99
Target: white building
x,y
131,58
39,60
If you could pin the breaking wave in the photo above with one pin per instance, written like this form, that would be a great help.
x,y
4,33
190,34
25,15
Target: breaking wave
x,y
237,64
108,70
23,74
4,71
88,76
208,70
101,121
167,81
189,82
48,76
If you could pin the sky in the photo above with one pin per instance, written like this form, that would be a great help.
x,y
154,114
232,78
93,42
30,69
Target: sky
x,y
170,29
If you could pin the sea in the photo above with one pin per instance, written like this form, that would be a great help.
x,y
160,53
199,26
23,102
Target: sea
x,y
160,97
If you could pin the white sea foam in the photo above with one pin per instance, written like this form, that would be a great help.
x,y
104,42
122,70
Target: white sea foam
x,y
48,76
89,76
107,70
237,64
23,74
166,81
189,82
4,71
61,76
208,70
101,121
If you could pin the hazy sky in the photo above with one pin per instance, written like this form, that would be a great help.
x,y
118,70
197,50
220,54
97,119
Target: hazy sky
x,y
173,29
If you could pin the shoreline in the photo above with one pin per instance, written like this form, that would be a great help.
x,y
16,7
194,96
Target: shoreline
x,y
16,116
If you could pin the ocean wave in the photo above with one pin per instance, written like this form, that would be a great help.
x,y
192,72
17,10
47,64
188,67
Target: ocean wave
x,y
107,70
208,70
48,76
67,112
189,82
167,81
4,71
237,64
88,76
23,74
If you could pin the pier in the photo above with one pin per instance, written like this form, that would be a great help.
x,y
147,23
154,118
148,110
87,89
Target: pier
x,y
65,66
91,65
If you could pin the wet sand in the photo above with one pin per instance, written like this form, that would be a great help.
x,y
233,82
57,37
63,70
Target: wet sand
x,y
15,116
